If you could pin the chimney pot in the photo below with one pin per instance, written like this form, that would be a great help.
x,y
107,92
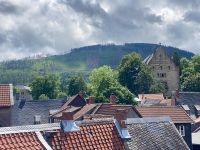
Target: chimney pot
x,y
113,98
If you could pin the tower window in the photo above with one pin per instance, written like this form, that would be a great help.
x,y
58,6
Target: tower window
x,y
161,75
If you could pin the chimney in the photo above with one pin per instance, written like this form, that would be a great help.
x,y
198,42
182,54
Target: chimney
x,y
177,93
173,102
37,119
81,93
142,96
90,100
11,95
113,98
67,116
121,116
67,123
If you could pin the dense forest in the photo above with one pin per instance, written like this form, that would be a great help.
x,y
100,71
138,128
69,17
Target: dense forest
x,y
79,60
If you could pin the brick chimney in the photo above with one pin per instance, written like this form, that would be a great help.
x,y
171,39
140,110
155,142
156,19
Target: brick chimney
x,y
121,117
113,98
67,122
90,100
142,96
67,116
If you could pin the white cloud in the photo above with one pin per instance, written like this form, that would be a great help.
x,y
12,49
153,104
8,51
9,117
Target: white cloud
x,y
53,26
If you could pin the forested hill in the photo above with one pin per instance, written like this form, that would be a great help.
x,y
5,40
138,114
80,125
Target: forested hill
x,y
81,59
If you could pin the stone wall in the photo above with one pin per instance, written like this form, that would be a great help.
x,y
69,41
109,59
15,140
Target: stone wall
x,y
164,69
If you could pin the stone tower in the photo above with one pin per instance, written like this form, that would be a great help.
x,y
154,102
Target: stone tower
x,y
164,69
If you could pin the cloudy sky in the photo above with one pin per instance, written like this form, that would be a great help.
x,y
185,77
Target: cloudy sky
x,y
29,27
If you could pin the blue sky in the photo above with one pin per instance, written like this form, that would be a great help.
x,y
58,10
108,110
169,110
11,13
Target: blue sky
x,y
30,27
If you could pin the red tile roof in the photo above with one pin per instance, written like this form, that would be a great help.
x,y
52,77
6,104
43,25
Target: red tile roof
x,y
58,114
74,102
84,110
78,111
102,136
5,99
176,113
110,109
20,141
151,96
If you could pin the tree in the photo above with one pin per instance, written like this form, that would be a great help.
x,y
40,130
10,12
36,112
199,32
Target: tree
x,y
190,77
176,58
196,63
76,84
61,95
134,74
103,82
191,83
158,87
43,97
48,85
101,78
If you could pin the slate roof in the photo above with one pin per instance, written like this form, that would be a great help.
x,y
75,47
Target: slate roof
x,y
76,101
190,99
155,136
6,95
176,113
151,133
14,116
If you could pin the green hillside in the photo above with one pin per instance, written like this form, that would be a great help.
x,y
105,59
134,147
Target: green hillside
x,y
82,60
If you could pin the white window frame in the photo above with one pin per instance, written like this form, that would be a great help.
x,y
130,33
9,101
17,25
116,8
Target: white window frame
x,y
182,130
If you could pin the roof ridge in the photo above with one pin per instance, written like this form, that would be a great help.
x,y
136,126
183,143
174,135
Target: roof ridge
x,y
29,128
148,120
